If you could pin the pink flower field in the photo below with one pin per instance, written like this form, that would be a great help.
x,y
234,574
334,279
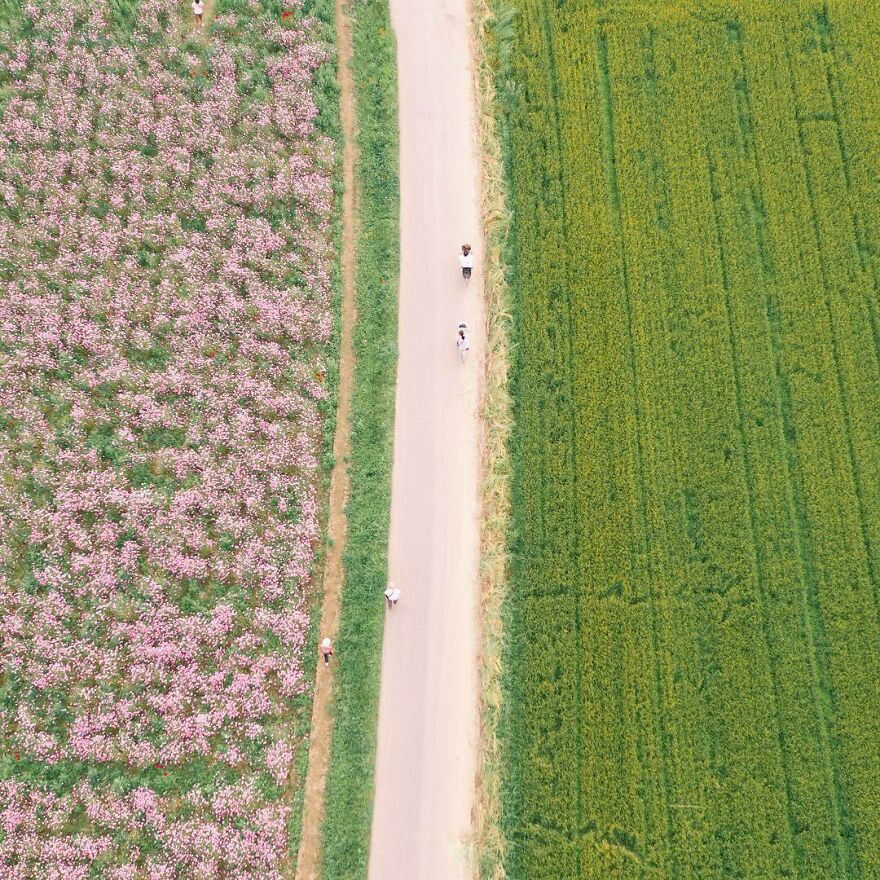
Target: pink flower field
x,y
166,253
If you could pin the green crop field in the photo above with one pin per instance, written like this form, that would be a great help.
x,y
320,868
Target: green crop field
x,y
694,619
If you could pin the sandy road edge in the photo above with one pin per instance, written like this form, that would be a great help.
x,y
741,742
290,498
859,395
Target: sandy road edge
x,y
496,416
311,842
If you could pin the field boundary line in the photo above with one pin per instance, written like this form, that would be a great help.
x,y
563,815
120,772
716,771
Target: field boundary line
x,y
311,839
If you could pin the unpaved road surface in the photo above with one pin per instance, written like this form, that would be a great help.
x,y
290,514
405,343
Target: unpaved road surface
x,y
428,718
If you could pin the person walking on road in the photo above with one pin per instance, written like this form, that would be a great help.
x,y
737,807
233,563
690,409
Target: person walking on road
x,y
198,8
326,651
462,340
392,595
466,259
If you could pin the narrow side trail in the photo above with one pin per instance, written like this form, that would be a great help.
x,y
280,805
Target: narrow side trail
x,y
428,712
308,865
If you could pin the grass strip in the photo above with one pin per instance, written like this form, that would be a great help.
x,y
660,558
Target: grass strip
x,y
353,753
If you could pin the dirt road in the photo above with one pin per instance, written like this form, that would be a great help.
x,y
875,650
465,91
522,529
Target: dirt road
x,y
428,706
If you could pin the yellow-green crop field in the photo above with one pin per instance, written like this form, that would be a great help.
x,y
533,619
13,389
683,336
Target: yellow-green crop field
x,y
693,679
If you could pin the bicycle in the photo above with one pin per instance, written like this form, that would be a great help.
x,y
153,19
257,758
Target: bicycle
x,y
466,260
462,340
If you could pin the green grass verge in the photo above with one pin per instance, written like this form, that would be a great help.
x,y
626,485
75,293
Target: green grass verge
x,y
349,799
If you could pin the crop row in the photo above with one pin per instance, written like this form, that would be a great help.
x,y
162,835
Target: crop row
x,y
695,611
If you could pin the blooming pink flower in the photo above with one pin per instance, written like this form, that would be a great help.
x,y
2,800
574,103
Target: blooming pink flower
x,y
163,353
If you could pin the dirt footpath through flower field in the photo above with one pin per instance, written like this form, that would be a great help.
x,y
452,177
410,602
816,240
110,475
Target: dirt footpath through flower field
x,y
428,716
308,866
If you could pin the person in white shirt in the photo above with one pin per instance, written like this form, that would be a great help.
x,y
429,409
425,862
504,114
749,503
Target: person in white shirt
x,y
198,8
326,649
466,259
392,595
462,340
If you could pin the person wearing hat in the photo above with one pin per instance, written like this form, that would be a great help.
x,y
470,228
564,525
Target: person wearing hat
x,y
326,651
462,340
392,594
466,259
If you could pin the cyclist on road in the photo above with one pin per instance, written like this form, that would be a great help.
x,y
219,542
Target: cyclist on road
x,y
462,340
466,259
